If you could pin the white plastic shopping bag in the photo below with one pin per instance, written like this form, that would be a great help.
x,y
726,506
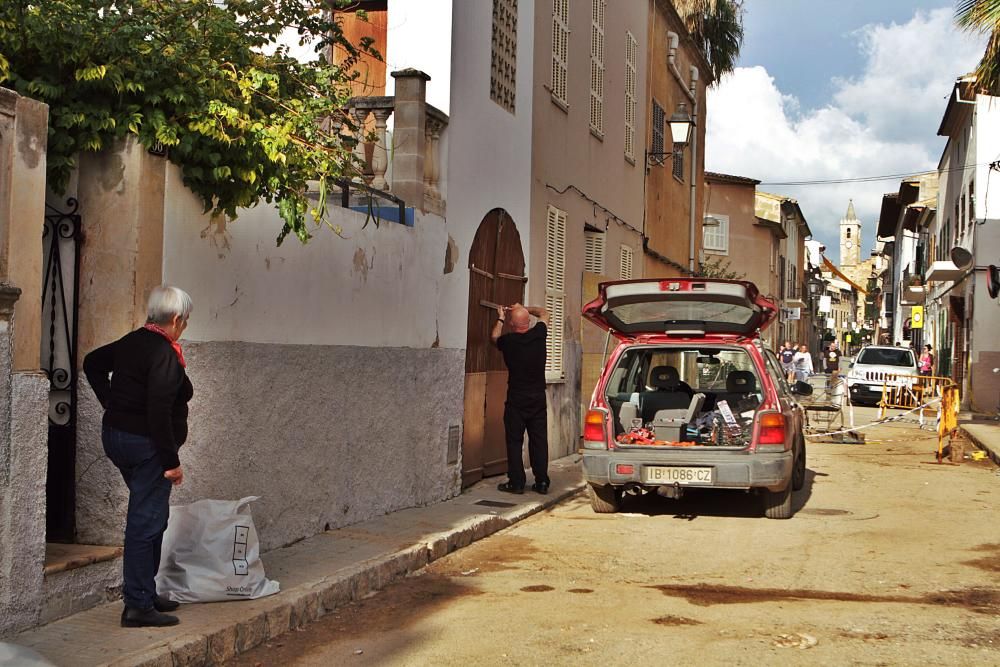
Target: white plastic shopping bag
x,y
211,553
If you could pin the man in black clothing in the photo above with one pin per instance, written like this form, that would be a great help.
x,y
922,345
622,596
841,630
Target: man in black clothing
x,y
833,358
519,334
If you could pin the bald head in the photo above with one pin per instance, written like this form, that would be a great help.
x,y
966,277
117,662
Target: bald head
x,y
520,319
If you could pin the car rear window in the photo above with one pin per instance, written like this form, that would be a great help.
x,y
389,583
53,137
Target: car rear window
x,y
886,357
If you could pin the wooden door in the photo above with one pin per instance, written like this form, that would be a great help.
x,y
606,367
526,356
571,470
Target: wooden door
x,y
496,276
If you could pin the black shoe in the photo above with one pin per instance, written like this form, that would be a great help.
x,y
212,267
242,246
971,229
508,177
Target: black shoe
x,y
146,618
540,487
507,487
163,603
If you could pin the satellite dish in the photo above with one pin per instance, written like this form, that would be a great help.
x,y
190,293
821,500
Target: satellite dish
x,y
961,257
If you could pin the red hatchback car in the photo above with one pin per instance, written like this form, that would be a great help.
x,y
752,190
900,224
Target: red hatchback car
x,y
690,397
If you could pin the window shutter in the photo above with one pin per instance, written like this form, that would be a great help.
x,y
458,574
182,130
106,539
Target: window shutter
x,y
678,162
560,48
593,255
597,65
658,119
631,55
716,238
555,290
625,270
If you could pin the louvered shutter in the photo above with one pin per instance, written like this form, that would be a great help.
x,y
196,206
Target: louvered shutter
x,y
716,237
631,56
625,263
593,252
560,48
597,65
555,290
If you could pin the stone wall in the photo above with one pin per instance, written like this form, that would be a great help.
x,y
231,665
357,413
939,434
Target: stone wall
x,y
23,405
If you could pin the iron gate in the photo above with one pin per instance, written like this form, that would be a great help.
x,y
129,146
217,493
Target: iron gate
x,y
61,237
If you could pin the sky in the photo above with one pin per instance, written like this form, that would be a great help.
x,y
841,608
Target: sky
x,y
830,90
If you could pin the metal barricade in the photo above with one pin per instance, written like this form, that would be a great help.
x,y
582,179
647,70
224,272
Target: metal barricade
x,y
906,392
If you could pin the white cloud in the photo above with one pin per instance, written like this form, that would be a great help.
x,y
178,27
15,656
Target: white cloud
x,y
882,122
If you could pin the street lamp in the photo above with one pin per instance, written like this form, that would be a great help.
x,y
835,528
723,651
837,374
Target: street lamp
x,y
680,133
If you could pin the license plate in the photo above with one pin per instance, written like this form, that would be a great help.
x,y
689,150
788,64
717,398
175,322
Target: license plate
x,y
676,475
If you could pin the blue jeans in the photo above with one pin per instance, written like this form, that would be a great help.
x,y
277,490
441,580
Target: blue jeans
x,y
148,509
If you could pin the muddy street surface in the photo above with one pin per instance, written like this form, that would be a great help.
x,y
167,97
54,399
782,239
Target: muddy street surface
x,y
889,559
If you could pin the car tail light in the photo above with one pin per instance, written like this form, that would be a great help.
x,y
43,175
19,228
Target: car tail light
x,y
625,469
771,429
593,430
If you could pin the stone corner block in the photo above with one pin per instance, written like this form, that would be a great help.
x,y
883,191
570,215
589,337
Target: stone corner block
x,y
251,632
222,645
190,651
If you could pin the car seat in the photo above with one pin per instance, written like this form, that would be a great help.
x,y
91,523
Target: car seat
x,y
668,393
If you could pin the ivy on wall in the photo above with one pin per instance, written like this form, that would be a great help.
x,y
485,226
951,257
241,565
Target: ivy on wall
x,y
213,84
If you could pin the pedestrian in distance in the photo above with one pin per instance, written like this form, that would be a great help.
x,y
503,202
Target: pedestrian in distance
x,y
142,384
925,365
803,363
786,355
832,359
520,334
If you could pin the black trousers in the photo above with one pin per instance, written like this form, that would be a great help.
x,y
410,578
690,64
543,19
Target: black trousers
x,y
526,413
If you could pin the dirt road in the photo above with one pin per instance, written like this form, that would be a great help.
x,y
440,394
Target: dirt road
x,y
888,560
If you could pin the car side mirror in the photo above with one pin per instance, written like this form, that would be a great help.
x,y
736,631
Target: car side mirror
x,y
851,365
801,388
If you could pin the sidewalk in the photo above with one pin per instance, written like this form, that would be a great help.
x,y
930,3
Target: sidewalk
x,y
317,575
986,436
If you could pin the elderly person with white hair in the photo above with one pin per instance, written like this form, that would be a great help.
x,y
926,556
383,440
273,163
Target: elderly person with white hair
x,y
141,381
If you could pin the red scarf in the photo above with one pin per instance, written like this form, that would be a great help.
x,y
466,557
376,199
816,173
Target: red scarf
x,y
149,326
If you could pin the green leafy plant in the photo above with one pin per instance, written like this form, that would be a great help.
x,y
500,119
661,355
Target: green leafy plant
x,y
716,26
213,84
983,17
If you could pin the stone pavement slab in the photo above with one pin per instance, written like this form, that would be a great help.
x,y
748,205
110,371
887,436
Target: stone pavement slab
x,y
317,575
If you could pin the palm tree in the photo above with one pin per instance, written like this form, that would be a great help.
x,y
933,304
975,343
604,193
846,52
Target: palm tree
x,y
983,16
717,28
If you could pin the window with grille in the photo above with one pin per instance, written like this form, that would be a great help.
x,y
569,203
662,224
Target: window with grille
x,y
715,238
593,252
560,48
631,56
503,63
555,290
597,65
625,261
658,120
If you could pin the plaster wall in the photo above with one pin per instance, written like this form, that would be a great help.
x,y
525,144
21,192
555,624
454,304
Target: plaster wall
x,y
378,287
751,246
668,198
23,140
586,174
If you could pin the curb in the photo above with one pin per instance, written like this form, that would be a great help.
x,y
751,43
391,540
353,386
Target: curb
x,y
978,442
299,606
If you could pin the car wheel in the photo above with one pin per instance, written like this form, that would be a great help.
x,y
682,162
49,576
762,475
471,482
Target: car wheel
x,y
799,467
778,504
604,499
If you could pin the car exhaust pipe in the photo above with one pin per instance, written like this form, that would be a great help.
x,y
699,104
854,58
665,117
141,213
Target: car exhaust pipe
x,y
634,489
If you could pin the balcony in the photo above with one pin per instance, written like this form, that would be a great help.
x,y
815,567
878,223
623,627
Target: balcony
x,y
941,271
405,165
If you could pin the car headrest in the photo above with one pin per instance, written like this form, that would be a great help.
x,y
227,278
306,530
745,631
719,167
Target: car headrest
x,y
741,382
664,377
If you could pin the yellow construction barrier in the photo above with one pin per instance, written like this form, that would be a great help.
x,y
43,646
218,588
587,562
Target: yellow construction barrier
x,y
947,417
910,391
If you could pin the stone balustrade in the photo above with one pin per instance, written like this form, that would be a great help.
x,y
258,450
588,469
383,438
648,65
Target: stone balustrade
x,y
410,164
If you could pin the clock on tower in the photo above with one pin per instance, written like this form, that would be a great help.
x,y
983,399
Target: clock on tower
x,y
850,238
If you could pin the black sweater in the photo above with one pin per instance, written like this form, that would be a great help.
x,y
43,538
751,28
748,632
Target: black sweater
x,y
148,390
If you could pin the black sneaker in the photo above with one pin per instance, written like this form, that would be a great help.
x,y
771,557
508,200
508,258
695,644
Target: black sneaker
x,y
540,487
163,603
146,618
507,487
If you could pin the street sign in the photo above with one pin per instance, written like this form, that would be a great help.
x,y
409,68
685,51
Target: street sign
x,y
917,317
848,338
825,304
791,314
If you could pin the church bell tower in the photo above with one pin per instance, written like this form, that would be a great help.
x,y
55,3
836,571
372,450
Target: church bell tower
x,y
850,238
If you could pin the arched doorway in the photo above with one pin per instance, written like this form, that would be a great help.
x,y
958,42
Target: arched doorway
x,y
496,276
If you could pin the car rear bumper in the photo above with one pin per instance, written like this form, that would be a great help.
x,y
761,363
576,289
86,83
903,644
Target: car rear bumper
x,y
732,470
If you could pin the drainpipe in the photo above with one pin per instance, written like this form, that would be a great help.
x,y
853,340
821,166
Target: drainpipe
x,y
691,91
